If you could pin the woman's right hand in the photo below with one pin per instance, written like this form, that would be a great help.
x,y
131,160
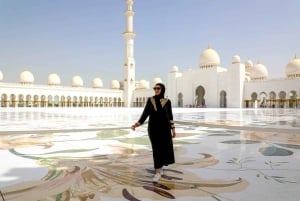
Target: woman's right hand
x,y
133,127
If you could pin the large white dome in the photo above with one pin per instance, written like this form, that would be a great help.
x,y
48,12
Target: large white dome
x,y
77,81
115,84
209,58
1,76
259,72
293,68
26,77
97,83
53,79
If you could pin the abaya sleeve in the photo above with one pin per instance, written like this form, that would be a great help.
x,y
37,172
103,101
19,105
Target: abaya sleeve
x,y
170,114
145,113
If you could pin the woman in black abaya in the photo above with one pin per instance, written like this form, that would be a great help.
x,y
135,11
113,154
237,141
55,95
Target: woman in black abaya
x,y
161,129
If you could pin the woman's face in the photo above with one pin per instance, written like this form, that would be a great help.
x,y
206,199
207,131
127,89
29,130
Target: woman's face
x,y
157,89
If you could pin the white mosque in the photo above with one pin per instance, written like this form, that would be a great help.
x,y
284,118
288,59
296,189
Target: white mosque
x,y
240,85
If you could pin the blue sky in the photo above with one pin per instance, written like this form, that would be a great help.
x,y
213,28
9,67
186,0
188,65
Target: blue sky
x,y
84,37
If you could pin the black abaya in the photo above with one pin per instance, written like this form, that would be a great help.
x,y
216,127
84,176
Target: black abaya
x,y
160,123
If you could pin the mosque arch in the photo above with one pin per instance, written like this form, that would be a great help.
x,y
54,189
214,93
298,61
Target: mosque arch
x,y
110,101
85,101
200,100
28,101
144,101
36,101
136,103
105,102
4,100
21,102
272,99
63,101
282,99
114,101
140,102
292,99
80,101
75,101
254,99
223,99
119,102
101,101
13,100
56,101
180,100
92,101
69,101
96,101
263,99
43,101
50,101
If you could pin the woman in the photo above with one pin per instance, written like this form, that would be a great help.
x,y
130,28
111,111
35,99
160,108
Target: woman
x,y
161,129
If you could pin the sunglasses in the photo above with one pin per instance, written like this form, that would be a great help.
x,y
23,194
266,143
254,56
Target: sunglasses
x,y
156,88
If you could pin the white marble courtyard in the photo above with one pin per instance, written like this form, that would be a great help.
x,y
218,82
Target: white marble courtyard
x,y
68,154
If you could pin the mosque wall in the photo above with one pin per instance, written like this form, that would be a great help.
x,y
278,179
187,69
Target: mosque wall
x,y
197,86
235,81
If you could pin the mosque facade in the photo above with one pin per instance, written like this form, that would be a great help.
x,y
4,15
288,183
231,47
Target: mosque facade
x,y
240,85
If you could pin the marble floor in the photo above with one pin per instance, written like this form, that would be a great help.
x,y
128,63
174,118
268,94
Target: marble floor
x,y
92,154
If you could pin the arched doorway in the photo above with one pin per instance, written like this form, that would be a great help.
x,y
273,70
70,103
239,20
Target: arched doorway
x,y
200,101
254,99
272,99
28,102
282,99
292,99
223,99
4,100
262,99
180,100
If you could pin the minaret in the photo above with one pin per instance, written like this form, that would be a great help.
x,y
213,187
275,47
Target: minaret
x,y
129,63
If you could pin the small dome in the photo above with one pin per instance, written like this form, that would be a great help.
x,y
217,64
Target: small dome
x,y
26,77
236,59
209,58
53,79
1,76
157,80
174,69
115,84
97,83
259,72
248,64
144,84
293,68
77,81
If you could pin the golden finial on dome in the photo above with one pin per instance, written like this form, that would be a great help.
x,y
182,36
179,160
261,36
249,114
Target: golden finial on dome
x,y
208,47
258,62
295,57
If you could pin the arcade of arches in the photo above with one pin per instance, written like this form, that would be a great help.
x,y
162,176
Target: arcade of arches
x,y
273,100
20,100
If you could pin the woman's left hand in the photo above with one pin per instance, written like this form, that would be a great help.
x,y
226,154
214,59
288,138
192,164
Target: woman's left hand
x,y
173,133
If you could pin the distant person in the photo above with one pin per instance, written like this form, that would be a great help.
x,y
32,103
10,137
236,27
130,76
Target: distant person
x,y
161,129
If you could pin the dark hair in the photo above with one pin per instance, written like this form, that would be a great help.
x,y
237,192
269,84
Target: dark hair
x,y
163,89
